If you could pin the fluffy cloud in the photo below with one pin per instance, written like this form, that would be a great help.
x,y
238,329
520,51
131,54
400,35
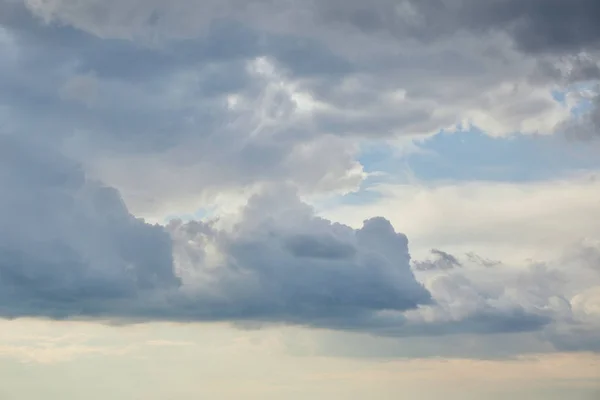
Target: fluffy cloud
x,y
282,263
70,248
563,291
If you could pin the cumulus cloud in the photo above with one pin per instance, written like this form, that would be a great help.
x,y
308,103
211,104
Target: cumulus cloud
x,y
282,263
70,248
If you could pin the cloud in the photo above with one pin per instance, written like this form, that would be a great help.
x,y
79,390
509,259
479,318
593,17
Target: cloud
x,y
232,94
268,250
218,120
541,26
69,246
282,263
587,125
562,293
442,261
173,103
505,221
70,249
535,25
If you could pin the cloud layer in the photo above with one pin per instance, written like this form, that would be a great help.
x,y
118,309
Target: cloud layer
x,y
223,94
111,110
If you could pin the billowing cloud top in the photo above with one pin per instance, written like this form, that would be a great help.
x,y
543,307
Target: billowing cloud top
x,y
113,110
70,248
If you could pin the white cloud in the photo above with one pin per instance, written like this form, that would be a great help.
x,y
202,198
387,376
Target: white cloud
x,y
500,220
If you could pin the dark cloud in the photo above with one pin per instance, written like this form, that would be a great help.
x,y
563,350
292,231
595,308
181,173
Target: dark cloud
x,y
541,25
70,248
537,26
68,245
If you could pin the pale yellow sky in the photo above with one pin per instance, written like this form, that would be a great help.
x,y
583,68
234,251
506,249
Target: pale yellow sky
x,y
79,360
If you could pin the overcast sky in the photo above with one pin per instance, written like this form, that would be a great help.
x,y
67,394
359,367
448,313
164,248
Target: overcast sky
x,y
334,199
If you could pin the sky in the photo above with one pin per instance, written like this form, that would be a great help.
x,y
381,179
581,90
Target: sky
x,y
304,199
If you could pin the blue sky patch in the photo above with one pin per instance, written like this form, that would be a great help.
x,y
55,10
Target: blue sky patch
x,y
473,155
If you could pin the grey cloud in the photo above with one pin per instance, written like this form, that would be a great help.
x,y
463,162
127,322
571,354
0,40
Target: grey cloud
x,y
318,247
572,69
442,261
535,25
473,299
270,273
478,260
555,33
162,103
585,126
541,25
224,39
69,246
70,249
556,299
151,103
